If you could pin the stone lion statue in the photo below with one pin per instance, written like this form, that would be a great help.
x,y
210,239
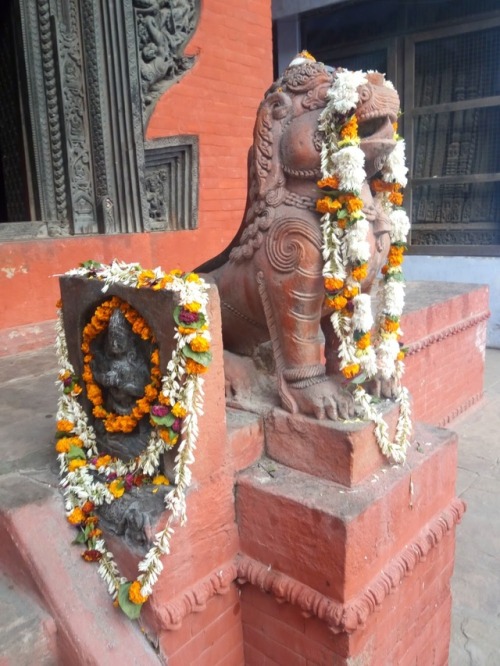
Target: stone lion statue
x,y
270,278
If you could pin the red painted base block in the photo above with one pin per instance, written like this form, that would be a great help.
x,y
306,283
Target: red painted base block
x,y
444,328
412,626
369,566
343,452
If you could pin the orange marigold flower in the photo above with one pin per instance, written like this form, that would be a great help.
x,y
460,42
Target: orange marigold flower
x,y
400,356
378,185
102,461
328,205
336,303
75,464
193,307
199,344
99,412
183,330
155,357
333,284
163,399
359,273
94,394
364,342
134,593
76,517
88,507
160,480
91,520
63,425
331,182
390,326
350,129
351,370
95,533
116,488
194,368
150,393
396,198
395,258
62,445
354,204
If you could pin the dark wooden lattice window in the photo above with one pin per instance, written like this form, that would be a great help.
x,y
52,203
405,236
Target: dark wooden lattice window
x,y
443,58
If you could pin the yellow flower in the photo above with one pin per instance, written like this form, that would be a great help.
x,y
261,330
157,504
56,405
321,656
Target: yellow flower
x,y
350,371
76,517
193,307
176,272
307,56
193,277
145,278
75,464
160,480
116,488
199,344
134,593
179,411
350,292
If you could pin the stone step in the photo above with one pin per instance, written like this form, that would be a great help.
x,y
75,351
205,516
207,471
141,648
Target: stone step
x,y
36,550
28,634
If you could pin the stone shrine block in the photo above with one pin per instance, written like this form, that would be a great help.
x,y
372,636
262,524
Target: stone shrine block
x,y
345,452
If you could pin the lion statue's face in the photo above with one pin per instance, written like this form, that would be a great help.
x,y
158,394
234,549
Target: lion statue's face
x,y
304,90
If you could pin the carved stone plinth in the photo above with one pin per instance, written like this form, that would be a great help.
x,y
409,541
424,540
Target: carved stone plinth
x,y
335,554
343,452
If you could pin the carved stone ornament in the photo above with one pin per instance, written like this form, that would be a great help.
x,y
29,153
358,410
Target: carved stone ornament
x,y
270,278
121,370
164,27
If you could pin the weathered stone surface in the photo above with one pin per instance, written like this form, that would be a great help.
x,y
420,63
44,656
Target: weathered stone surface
x,y
343,452
336,539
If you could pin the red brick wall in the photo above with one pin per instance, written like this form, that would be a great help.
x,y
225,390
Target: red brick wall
x,y
216,100
412,625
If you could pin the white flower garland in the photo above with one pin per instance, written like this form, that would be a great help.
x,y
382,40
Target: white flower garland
x,y
346,255
179,387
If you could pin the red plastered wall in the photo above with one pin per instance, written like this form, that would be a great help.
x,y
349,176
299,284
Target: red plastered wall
x,y
216,100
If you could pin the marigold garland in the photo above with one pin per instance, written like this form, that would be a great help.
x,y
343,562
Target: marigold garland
x,y
173,402
346,253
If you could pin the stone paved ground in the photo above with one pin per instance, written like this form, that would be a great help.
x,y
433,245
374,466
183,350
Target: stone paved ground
x,y
27,409
476,581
